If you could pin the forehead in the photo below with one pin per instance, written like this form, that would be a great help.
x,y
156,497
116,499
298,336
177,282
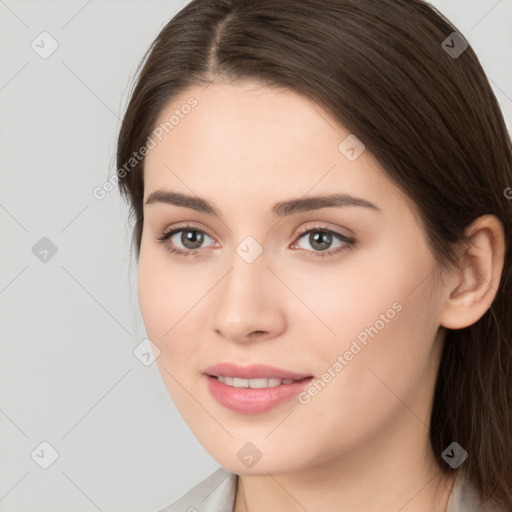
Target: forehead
x,y
247,138
258,118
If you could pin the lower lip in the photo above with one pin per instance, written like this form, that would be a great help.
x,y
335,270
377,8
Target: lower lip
x,y
254,401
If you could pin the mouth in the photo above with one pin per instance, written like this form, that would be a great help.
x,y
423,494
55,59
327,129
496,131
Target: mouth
x,y
253,389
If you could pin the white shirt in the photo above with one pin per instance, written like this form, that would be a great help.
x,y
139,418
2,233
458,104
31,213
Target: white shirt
x,y
217,493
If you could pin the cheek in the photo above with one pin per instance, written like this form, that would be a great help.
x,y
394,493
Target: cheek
x,y
383,324
160,299
151,283
170,300
385,379
387,373
368,295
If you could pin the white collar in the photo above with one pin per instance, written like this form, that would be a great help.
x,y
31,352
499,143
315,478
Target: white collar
x,y
217,493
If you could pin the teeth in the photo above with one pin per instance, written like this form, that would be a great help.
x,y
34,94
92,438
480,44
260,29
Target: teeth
x,y
253,383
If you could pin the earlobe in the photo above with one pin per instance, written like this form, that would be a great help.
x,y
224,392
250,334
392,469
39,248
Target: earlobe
x,y
474,285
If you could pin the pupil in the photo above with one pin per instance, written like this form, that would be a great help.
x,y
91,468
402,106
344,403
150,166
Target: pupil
x,y
320,237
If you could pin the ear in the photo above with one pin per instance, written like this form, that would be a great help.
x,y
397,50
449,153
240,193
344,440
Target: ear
x,y
471,289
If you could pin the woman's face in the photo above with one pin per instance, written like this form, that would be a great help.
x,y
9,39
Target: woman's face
x,y
338,298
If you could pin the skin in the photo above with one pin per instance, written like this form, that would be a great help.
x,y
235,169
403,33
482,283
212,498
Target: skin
x,y
243,148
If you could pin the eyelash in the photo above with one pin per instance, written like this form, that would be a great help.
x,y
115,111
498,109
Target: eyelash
x,y
348,241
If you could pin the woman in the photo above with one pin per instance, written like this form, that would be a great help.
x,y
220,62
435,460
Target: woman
x,y
323,232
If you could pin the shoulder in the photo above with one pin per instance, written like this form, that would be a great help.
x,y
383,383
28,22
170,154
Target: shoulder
x,y
465,498
216,493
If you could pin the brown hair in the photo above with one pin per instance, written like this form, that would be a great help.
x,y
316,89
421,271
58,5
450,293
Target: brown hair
x,y
429,117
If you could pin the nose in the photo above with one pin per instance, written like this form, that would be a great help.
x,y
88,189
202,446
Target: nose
x,y
248,304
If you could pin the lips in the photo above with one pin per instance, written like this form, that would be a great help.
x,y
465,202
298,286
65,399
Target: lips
x,y
253,389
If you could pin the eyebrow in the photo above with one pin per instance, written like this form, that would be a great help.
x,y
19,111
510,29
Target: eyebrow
x,y
280,209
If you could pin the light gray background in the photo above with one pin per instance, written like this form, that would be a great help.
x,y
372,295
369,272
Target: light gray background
x,y
68,327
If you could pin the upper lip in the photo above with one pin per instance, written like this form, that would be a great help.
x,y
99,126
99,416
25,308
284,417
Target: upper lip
x,y
253,371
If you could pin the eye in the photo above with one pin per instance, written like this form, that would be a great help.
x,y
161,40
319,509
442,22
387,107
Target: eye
x,y
320,237
191,238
